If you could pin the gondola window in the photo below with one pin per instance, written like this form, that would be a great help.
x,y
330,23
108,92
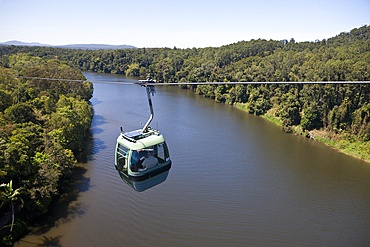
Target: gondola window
x,y
122,152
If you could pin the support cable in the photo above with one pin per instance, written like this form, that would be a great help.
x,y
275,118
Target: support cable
x,y
194,83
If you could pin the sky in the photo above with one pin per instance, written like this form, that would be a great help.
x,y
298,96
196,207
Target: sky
x,y
177,23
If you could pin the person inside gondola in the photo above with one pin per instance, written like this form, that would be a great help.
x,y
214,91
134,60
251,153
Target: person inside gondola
x,y
134,157
150,161
136,162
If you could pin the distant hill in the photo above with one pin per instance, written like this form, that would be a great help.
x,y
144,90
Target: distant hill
x,y
96,47
73,46
20,43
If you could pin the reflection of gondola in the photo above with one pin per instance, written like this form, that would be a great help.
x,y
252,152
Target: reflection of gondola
x,y
142,157
146,184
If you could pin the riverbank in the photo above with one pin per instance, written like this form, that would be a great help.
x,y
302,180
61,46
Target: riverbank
x,y
342,141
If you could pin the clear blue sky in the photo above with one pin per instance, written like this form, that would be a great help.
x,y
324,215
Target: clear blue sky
x,y
164,23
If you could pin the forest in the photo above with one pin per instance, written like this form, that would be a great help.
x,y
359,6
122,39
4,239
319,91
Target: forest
x,y
43,123
43,127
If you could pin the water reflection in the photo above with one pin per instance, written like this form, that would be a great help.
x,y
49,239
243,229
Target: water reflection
x,y
145,184
46,241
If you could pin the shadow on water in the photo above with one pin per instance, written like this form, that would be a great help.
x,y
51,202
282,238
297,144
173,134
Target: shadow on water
x,y
46,241
93,144
62,210
98,131
65,208
98,120
96,144
95,101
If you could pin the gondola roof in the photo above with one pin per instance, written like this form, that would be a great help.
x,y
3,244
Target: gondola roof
x,y
136,140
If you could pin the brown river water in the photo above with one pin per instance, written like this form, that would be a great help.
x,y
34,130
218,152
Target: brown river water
x,y
236,180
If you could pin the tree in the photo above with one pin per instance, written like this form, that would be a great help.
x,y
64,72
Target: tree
x,y
311,118
8,195
20,113
289,109
5,100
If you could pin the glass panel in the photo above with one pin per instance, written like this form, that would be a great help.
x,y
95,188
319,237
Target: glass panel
x,y
121,157
161,153
148,157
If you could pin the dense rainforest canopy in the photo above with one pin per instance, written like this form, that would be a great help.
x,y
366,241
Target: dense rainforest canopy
x,y
43,123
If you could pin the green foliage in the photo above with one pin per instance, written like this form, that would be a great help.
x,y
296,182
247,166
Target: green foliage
x,y
5,100
52,166
360,124
20,113
70,122
258,101
8,194
311,118
43,125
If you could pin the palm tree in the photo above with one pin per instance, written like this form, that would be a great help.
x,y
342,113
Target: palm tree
x,y
9,195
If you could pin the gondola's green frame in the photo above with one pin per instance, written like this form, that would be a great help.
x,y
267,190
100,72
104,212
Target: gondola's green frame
x,y
129,142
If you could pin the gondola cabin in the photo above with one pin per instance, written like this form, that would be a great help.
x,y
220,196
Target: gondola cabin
x,y
142,158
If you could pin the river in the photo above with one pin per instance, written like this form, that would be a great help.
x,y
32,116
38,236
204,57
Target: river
x,y
236,180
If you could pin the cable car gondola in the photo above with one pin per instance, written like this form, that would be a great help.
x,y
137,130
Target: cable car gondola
x,y
142,158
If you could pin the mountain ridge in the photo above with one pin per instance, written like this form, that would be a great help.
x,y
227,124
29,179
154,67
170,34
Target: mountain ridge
x,y
70,46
